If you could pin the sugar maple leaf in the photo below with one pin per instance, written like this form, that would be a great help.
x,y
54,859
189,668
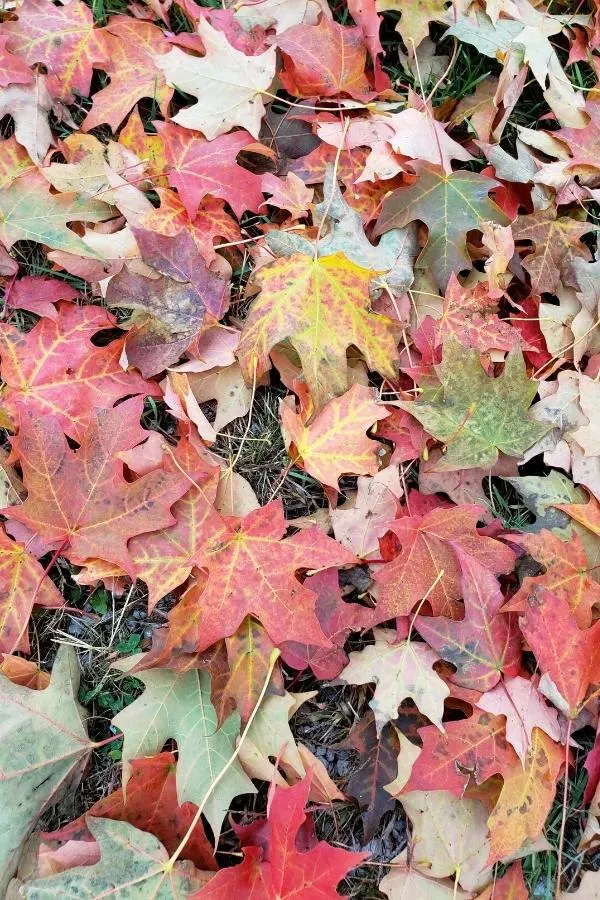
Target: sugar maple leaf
x,y
476,416
275,869
164,559
401,670
14,161
470,317
178,706
29,212
483,644
557,245
227,83
132,862
62,38
55,369
477,747
568,657
526,798
149,803
171,219
334,443
414,18
324,60
135,49
337,619
251,571
519,700
474,747
566,574
12,69
38,769
584,143
322,306
22,580
197,167
587,514
81,498
428,545
450,205
378,767
249,655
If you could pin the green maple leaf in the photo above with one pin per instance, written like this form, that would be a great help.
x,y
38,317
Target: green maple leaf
x,y
28,211
177,705
450,206
476,416
43,748
132,865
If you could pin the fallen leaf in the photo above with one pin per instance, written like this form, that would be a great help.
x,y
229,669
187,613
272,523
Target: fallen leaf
x,y
401,670
227,83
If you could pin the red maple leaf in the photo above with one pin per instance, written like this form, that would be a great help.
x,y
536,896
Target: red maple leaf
x,y
81,497
428,565
275,869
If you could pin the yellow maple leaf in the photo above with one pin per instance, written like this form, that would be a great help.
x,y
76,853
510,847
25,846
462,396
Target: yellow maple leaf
x,y
322,306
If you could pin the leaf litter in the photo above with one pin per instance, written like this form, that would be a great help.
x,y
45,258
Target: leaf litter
x,y
300,467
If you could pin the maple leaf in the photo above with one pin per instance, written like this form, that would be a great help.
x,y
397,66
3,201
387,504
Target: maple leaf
x,y
568,657
274,869
449,837
526,797
337,619
251,571
583,143
360,523
270,737
483,644
470,317
450,205
322,306
135,50
28,211
414,18
197,167
81,498
404,880
37,770
474,747
22,582
12,69
289,193
14,161
29,105
227,83
335,443
171,312
249,655
400,670
55,369
518,700
477,416
511,886
566,574
378,767
557,245
63,39
428,565
150,804
324,60
177,705
164,558
132,863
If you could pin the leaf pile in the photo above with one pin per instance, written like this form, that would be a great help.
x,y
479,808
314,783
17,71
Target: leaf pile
x,y
300,359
